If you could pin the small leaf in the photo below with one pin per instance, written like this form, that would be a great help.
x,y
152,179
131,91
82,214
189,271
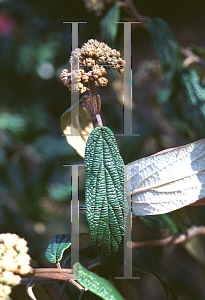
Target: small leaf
x,y
108,25
168,180
96,284
58,244
160,221
85,127
104,196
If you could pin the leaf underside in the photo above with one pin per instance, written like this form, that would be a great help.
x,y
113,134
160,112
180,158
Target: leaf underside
x,y
167,180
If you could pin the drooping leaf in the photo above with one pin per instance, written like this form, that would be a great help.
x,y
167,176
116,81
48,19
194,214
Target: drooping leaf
x,y
167,180
108,25
78,142
160,221
194,111
105,193
166,47
96,284
58,244
170,295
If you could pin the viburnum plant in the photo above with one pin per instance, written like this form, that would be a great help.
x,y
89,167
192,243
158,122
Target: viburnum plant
x,y
160,183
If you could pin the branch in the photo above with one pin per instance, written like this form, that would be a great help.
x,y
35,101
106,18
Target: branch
x,y
170,240
51,273
130,8
94,105
191,58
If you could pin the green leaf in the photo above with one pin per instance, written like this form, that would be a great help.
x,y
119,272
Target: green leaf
x,y
194,112
96,284
105,193
59,192
58,244
108,25
170,295
16,124
166,47
168,180
160,221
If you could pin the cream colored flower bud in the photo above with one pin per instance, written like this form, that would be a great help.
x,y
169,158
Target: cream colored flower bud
x,y
21,244
25,269
102,81
11,265
6,277
6,289
2,249
85,77
10,240
11,252
16,279
101,59
22,259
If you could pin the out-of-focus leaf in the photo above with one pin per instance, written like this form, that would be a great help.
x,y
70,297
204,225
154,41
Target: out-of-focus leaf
x,y
166,47
96,284
200,52
194,112
58,244
59,192
85,127
170,295
196,249
168,180
108,25
16,124
56,147
160,221
105,193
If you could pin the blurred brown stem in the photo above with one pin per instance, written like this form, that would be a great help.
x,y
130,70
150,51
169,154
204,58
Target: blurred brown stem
x,y
172,239
97,122
51,273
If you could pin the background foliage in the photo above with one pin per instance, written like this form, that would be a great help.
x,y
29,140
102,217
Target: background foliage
x,y
35,190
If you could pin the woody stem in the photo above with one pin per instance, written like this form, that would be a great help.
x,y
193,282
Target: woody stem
x,y
93,105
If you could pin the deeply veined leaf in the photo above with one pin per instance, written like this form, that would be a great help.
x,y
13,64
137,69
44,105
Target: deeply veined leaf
x,y
78,142
58,244
96,284
105,193
167,180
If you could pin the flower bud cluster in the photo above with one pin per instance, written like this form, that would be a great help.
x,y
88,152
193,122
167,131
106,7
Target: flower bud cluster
x,y
148,71
13,259
96,6
94,58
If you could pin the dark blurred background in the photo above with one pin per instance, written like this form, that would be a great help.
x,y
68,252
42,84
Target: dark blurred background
x,y
35,190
